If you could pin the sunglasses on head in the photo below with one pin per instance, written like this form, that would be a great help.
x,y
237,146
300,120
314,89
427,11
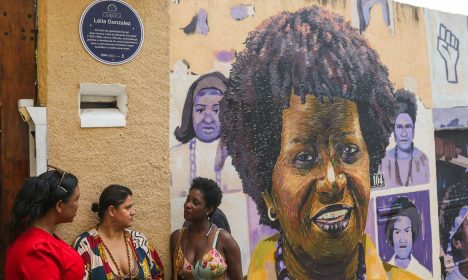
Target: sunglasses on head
x,y
60,171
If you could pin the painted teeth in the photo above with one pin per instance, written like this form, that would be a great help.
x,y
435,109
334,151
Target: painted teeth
x,y
332,215
334,228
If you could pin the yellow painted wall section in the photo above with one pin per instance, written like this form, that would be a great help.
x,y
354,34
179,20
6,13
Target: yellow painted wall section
x,y
407,33
135,155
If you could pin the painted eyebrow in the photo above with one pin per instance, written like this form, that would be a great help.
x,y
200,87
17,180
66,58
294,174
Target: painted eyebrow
x,y
345,133
203,105
306,140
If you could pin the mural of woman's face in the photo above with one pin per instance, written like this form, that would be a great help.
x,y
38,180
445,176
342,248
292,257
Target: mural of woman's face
x,y
402,237
321,182
404,131
205,115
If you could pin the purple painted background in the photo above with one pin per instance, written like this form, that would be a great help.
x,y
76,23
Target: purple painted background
x,y
370,223
422,247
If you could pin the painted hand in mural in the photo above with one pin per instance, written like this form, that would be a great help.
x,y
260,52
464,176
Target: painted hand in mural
x,y
446,149
447,46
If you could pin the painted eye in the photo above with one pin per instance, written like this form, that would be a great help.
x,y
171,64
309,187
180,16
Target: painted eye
x,y
349,153
305,159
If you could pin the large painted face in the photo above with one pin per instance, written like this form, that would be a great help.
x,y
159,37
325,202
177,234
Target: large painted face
x,y
404,131
321,181
205,115
402,237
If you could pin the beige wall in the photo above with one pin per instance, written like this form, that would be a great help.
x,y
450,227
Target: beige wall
x,y
135,155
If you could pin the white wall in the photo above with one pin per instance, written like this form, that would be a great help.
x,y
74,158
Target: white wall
x,y
449,6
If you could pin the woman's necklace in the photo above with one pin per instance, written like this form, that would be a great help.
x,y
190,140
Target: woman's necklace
x,y
119,274
397,167
282,272
203,248
193,164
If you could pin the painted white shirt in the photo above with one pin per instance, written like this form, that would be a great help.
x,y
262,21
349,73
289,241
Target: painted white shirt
x,y
419,173
414,267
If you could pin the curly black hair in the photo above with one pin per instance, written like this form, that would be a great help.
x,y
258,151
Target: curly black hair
x,y
211,192
310,51
406,103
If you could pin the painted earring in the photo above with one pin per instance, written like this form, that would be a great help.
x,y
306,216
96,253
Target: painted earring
x,y
270,216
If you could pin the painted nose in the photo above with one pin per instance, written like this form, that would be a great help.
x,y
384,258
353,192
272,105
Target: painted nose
x,y
332,184
208,117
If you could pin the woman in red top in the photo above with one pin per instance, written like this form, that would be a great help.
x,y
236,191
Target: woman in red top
x,y
34,251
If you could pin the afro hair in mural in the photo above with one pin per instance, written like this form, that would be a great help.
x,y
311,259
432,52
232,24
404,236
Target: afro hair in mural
x,y
406,103
307,52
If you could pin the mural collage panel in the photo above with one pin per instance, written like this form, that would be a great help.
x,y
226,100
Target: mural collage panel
x,y
335,130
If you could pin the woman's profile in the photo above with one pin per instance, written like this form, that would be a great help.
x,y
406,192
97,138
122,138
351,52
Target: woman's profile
x,y
113,251
34,250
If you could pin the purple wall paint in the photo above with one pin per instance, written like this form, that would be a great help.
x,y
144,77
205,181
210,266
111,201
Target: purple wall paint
x,y
422,246
370,223
257,232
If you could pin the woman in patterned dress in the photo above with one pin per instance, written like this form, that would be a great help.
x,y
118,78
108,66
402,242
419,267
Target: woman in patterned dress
x,y
113,251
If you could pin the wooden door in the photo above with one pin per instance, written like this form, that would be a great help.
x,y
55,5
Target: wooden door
x,y
17,81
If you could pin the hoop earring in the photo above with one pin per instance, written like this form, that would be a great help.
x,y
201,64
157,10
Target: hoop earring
x,y
270,216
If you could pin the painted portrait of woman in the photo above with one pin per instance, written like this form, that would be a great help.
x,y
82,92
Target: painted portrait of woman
x,y
306,117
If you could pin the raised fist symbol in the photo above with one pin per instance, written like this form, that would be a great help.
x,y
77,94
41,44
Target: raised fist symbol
x,y
447,46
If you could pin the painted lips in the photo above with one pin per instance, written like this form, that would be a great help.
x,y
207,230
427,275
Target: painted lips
x,y
333,219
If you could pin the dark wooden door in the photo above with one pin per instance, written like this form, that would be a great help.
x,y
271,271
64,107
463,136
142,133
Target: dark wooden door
x,y
17,81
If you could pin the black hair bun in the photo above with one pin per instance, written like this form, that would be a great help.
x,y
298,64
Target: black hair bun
x,y
95,207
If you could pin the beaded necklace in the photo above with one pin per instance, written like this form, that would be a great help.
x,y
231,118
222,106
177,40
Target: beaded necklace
x,y
282,272
119,274
397,167
193,164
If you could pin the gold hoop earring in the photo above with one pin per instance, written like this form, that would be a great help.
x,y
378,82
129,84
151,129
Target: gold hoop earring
x,y
270,216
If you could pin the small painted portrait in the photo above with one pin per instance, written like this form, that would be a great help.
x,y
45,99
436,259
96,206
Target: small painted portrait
x,y
453,225
200,152
402,231
405,164
306,117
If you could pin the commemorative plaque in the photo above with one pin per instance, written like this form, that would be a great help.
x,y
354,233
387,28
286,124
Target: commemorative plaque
x,y
111,31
